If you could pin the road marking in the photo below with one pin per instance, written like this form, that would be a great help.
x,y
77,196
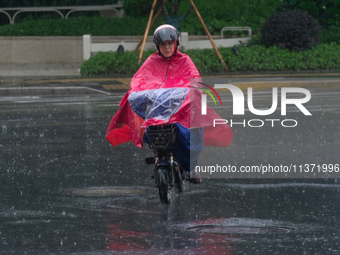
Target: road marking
x,y
125,81
50,90
114,87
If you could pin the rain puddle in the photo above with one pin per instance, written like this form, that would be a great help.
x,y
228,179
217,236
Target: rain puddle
x,y
243,226
107,191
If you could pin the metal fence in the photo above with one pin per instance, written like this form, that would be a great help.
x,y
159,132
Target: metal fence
x,y
15,11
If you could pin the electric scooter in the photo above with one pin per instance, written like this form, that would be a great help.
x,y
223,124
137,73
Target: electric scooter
x,y
167,172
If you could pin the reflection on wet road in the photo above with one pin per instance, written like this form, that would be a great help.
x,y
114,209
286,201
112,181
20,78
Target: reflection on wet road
x,y
64,189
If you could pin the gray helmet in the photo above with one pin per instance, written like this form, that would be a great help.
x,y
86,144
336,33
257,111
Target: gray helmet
x,y
165,33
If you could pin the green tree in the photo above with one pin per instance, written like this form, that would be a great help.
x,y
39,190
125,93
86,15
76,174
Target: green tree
x,y
173,18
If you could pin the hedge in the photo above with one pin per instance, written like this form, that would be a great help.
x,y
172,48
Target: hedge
x,y
77,26
249,59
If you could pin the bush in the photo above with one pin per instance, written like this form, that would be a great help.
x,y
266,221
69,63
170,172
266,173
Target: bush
x,y
260,58
330,35
96,26
137,8
106,63
222,13
249,59
215,13
206,60
293,29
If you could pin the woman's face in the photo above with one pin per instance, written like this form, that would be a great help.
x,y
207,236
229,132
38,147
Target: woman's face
x,y
167,48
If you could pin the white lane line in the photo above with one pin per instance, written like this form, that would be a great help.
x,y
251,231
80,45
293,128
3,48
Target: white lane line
x,y
44,89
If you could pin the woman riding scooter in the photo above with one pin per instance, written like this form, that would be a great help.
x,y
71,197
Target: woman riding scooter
x,y
165,80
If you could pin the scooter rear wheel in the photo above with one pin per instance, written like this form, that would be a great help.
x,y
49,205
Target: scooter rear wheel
x,y
178,181
163,186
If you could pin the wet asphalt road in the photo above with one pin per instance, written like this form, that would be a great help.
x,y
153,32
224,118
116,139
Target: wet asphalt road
x,y
63,187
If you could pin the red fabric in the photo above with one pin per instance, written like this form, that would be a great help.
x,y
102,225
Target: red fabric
x,y
157,72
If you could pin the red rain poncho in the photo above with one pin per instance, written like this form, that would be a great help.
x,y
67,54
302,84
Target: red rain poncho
x,y
154,75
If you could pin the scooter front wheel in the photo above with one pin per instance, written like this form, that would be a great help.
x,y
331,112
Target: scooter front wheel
x,y
163,185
